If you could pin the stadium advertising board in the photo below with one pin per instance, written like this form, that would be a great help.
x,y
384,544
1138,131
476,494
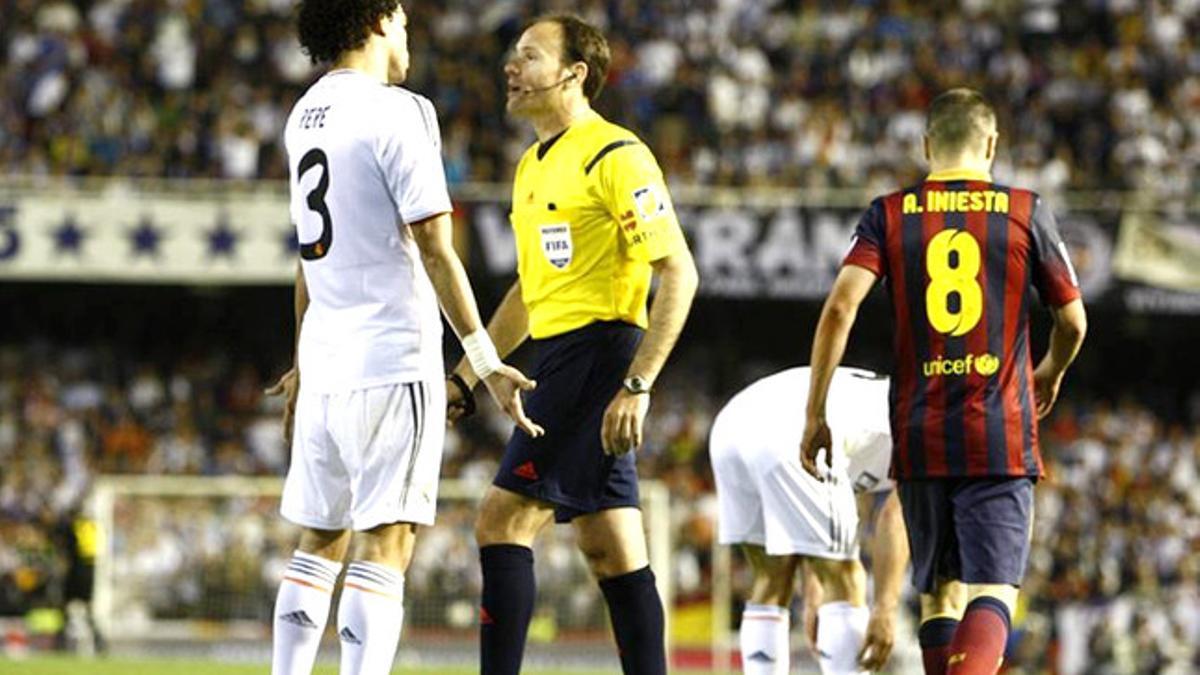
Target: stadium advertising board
x,y
788,252
783,250
1163,258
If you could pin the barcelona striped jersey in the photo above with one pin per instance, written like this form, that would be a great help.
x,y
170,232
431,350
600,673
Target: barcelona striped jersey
x,y
961,257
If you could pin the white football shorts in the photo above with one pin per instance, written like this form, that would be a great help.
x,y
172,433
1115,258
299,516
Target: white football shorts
x,y
366,457
765,497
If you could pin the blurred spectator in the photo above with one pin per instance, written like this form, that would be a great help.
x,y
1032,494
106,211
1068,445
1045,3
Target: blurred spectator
x,y
778,92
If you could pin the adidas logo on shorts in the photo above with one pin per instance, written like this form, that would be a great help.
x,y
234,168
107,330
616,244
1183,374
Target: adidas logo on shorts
x,y
527,471
761,657
298,618
349,637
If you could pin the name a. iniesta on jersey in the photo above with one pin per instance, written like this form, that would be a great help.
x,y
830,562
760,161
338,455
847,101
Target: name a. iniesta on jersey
x,y
956,201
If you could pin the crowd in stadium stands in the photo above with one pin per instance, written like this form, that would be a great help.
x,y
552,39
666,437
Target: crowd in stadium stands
x,y
1116,539
769,92
1100,94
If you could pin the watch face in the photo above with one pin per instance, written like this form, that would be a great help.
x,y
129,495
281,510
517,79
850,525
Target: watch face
x,y
636,385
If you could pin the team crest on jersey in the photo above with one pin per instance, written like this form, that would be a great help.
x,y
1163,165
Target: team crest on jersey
x,y
556,244
650,203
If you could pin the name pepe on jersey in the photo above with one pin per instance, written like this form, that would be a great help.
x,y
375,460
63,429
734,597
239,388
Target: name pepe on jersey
x,y
961,256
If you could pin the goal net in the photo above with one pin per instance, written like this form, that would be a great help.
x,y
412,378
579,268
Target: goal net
x,y
193,563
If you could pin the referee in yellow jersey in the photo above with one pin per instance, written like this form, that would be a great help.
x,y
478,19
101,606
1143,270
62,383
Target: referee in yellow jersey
x,y
594,223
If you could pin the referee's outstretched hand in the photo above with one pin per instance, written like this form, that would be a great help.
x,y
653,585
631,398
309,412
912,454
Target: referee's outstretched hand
x,y
505,385
816,438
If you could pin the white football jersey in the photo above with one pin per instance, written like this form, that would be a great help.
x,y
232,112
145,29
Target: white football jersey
x,y
769,416
365,161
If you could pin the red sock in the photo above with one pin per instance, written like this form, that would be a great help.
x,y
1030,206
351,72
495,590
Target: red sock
x,y
935,636
978,644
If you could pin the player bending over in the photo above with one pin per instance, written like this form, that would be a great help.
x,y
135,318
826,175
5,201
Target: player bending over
x,y
783,519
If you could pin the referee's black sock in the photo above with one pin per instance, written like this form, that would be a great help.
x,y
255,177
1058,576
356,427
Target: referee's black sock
x,y
637,620
508,595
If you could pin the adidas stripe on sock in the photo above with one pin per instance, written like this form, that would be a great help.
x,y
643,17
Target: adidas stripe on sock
x,y
764,640
301,611
370,616
841,630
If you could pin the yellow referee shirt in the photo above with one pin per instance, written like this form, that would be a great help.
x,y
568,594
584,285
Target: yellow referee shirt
x,y
590,212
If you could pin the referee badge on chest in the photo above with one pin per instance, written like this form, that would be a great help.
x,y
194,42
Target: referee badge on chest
x,y
556,244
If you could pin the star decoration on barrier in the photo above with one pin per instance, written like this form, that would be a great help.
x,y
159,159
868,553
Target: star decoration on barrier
x,y
145,238
68,236
222,239
10,242
291,242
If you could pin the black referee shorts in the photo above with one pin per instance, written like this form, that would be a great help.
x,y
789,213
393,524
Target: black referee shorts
x,y
578,373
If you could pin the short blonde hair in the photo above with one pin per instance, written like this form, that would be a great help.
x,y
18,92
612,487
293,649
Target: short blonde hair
x,y
957,117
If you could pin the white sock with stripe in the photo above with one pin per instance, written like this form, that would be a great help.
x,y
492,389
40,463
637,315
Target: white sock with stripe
x,y
764,640
841,630
370,615
301,611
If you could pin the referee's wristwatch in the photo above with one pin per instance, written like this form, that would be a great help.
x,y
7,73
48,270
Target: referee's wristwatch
x,y
636,384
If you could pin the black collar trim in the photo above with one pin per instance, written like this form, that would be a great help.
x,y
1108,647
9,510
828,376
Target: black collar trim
x,y
543,148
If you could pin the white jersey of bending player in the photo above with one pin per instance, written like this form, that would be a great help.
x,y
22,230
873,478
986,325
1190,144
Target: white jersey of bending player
x,y
365,161
764,495
769,418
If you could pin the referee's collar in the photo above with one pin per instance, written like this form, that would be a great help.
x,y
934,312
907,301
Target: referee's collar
x,y
543,147
959,174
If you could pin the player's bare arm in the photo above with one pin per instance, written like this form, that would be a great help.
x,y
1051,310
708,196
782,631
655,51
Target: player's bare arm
x,y
1066,337
889,556
288,384
829,345
505,383
625,415
508,328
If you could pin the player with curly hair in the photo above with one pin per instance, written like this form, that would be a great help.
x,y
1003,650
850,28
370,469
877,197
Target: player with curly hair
x,y
366,400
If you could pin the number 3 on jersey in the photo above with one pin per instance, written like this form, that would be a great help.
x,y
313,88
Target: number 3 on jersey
x,y
946,281
315,250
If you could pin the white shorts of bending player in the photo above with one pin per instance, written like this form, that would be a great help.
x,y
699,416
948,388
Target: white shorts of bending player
x,y
366,457
779,506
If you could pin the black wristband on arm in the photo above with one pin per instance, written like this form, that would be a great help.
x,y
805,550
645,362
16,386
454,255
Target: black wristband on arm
x,y
468,397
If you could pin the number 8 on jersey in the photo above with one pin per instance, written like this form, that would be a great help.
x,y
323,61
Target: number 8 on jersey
x,y
953,262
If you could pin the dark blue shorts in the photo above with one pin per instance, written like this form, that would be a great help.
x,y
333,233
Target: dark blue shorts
x,y
577,375
975,530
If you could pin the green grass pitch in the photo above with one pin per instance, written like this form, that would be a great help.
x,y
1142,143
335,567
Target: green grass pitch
x,y
66,665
